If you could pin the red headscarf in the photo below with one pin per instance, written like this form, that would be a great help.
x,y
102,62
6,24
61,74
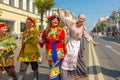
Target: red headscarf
x,y
32,20
3,25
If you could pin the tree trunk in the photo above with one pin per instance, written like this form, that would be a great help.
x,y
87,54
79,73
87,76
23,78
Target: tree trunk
x,y
41,21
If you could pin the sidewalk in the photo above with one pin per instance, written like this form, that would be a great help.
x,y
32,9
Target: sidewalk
x,y
116,40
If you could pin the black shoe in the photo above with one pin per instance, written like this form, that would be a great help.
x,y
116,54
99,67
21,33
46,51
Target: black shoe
x,y
14,76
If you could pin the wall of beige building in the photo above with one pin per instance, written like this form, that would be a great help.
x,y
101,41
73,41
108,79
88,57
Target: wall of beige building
x,y
15,15
16,4
6,1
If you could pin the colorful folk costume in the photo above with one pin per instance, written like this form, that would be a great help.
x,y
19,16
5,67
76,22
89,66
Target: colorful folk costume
x,y
29,53
73,65
54,38
7,56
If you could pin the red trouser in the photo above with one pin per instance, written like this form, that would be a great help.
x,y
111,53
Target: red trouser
x,y
9,69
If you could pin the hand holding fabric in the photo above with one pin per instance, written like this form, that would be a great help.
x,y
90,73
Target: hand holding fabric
x,y
2,48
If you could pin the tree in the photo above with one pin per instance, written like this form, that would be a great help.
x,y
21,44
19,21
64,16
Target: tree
x,y
93,30
98,28
43,6
102,25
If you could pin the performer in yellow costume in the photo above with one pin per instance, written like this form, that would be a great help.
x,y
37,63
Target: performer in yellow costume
x,y
29,52
7,45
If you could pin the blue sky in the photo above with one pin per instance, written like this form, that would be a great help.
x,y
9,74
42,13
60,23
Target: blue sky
x,y
93,9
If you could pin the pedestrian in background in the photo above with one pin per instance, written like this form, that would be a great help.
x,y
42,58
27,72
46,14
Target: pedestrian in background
x,y
93,34
29,52
7,45
54,38
73,66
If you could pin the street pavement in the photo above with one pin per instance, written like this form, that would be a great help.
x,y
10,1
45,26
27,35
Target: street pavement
x,y
106,57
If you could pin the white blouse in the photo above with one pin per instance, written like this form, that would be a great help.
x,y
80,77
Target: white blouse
x,y
74,31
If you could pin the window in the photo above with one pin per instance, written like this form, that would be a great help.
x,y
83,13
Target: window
x,y
22,27
11,2
33,8
27,5
21,4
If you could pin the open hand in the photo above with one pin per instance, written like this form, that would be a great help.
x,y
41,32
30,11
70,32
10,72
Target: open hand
x,y
58,10
94,43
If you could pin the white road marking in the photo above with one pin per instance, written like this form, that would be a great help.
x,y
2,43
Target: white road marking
x,y
110,47
114,43
98,69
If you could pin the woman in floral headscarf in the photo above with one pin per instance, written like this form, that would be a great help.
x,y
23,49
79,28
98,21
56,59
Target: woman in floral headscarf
x,y
30,52
54,38
7,45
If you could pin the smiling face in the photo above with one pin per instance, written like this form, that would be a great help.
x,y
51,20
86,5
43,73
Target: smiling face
x,y
3,30
29,23
55,22
81,18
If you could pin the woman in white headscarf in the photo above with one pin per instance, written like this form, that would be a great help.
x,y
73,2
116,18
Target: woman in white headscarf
x,y
73,66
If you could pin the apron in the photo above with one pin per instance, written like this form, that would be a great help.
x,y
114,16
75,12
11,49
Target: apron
x,y
70,60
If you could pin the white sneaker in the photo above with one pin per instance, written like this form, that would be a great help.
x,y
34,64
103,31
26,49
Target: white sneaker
x,y
35,79
3,72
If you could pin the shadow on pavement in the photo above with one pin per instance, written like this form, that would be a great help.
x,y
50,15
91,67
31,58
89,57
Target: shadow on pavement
x,y
105,71
27,76
41,76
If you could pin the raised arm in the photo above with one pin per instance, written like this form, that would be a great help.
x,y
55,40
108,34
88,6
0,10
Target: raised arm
x,y
66,21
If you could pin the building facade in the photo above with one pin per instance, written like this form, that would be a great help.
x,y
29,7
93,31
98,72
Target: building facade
x,y
15,12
